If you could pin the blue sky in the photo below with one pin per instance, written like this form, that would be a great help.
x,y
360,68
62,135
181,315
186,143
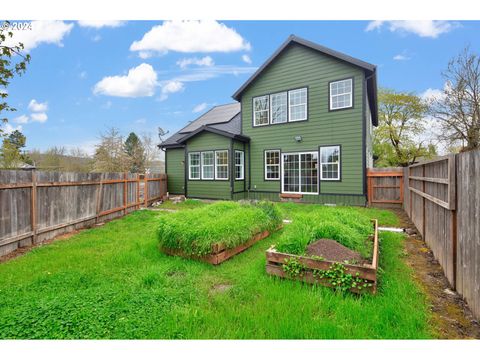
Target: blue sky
x,y
138,75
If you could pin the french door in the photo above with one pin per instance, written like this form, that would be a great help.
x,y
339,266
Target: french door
x,y
300,173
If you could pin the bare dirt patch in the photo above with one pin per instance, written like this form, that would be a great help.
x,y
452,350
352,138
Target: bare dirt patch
x,y
220,288
451,317
333,251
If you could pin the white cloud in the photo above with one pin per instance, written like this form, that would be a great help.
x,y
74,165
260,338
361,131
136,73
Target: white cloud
x,y
3,91
8,129
171,87
140,81
191,36
205,73
22,119
141,121
422,28
401,57
40,117
36,106
432,94
49,32
96,38
97,24
205,61
246,59
200,107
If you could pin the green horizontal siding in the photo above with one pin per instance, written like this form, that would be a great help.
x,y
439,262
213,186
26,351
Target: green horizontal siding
x,y
302,67
175,169
210,189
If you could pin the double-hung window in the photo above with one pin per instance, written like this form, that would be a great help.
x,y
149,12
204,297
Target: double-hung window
x,y
330,163
208,167
297,104
221,165
341,94
272,165
194,166
278,108
261,110
239,165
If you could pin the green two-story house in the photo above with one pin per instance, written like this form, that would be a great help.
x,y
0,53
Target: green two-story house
x,y
301,128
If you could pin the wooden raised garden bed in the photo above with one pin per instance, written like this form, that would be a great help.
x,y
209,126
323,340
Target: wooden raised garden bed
x,y
309,269
219,252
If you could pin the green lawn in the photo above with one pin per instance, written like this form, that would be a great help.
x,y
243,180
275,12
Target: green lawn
x,y
112,282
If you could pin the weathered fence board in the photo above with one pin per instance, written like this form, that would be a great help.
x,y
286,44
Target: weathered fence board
x,y
36,206
385,186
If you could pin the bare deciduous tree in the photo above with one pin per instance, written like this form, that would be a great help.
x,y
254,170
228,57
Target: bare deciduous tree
x,y
110,155
458,108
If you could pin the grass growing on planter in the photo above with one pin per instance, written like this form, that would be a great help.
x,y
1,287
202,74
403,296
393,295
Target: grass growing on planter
x,y
347,227
182,205
230,223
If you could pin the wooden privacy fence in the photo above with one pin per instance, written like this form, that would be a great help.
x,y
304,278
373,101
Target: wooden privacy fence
x,y
36,206
442,198
385,186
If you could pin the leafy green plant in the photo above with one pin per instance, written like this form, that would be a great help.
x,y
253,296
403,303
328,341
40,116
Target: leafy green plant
x,y
230,223
340,279
349,228
293,268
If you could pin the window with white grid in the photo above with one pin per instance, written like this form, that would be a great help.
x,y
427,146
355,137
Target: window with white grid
x,y
278,104
297,104
330,163
341,94
208,166
221,165
194,166
239,165
272,165
261,110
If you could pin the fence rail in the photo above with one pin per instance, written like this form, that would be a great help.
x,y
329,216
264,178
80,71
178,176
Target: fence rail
x,y
385,186
36,206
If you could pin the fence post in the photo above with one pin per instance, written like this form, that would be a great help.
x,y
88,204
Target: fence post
x,y
125,202
452,199
145,190
137,201
424,226
33,207
99,198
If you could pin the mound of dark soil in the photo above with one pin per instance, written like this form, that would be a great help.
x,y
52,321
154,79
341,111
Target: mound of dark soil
x,y
333,251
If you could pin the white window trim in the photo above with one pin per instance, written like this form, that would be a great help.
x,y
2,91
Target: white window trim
x,y
241,165
300,173
331,96
271,112
190,166
217,165
202,165
305,104
327,163
255,112
265,165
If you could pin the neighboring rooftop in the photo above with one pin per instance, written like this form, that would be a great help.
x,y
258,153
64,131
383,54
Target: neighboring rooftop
x,y
222,119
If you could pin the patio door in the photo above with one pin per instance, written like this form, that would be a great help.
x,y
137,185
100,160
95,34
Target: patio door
x,y
300,173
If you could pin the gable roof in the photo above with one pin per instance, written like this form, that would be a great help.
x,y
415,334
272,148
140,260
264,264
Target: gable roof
x,y
224,120
370,69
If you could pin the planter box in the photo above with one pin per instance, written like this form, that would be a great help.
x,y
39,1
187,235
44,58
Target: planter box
x,y
368,272
219,252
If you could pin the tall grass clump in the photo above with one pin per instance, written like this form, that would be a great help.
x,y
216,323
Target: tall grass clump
x,y
347,227
230,223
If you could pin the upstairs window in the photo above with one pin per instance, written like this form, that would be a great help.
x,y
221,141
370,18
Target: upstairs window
x,y
278,103
239,165
221,165
297,104
194,166
261,110
330,163
341,94
207,165
272,165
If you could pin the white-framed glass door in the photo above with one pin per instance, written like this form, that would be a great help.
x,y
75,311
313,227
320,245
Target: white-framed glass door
x,y
300,173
